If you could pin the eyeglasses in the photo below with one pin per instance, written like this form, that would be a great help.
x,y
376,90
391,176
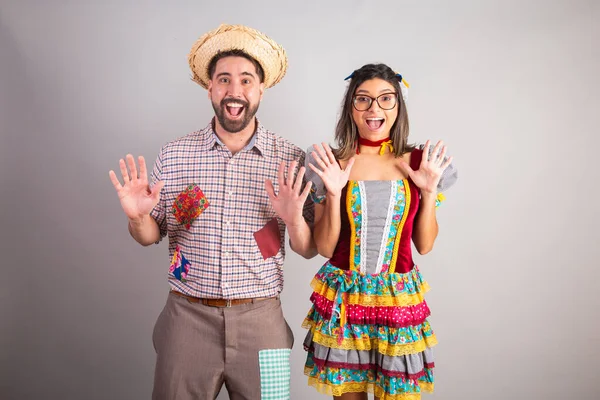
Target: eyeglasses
x,y
386,101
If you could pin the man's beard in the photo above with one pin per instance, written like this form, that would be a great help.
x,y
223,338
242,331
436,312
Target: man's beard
x,y
234,126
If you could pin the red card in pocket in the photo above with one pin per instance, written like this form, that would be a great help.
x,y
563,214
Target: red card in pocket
x,y
268,239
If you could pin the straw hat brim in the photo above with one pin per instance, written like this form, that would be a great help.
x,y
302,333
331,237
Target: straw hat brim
x,y
270,55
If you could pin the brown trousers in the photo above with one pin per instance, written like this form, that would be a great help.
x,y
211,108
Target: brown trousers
x,y
199,348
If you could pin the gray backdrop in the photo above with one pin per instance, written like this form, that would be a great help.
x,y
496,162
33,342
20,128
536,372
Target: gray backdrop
x,y
512,86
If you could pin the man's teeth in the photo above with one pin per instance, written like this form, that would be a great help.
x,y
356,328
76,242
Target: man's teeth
x,y
374,119
234,105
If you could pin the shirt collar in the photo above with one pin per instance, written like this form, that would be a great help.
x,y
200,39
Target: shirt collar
x,y
258,140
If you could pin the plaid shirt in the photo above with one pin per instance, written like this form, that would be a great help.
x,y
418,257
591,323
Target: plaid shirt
x,y
215,254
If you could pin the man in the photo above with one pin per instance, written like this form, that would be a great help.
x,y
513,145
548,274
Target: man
x,y
223,322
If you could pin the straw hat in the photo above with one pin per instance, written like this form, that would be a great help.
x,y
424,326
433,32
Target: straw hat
x,y
263,49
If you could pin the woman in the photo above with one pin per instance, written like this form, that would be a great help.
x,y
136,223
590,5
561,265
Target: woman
x,y
368,330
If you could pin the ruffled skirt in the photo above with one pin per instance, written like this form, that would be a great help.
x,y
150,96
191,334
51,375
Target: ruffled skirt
x,y
369,333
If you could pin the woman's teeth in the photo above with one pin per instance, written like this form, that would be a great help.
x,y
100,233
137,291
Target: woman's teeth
x,y
375,123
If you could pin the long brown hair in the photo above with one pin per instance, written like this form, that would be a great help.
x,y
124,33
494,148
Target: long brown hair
x,y
346,132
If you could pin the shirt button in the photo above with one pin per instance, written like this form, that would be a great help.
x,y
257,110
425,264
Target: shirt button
x,y
226,254
225,285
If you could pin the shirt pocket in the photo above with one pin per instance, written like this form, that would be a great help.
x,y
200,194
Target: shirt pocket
x,y
188,205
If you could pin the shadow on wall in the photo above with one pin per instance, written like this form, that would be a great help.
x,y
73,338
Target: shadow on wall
x,y
16,97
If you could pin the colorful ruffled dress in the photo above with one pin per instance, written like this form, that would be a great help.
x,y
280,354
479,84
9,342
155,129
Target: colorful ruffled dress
x,y
367,327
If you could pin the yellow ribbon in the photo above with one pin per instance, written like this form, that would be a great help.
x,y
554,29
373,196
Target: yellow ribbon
x,y
342,317
384,145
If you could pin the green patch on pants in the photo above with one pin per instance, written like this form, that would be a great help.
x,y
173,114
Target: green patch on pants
x,y
274,374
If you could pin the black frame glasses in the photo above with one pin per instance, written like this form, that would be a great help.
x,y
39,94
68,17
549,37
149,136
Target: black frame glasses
x,y
354,99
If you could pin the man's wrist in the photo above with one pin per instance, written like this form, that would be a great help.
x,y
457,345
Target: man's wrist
x,y
295,222
135,222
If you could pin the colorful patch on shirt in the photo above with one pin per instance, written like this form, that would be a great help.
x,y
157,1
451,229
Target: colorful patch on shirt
x,y
274,374
268,239
189,205
180,266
